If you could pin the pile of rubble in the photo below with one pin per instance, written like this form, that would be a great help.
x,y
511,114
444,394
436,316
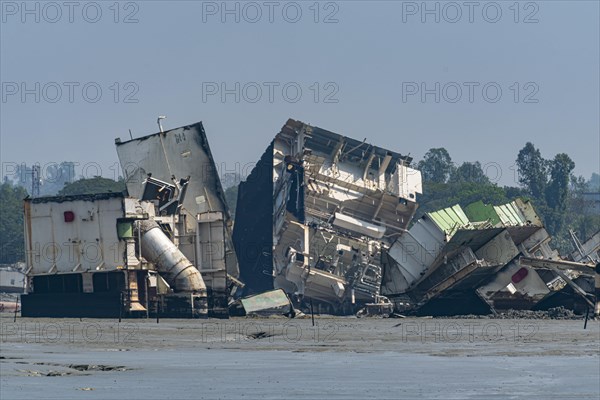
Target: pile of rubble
x,y
551,313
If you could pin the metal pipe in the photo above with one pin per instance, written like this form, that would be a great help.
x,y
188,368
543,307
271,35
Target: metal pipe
x,y
159,124
542,263
170,262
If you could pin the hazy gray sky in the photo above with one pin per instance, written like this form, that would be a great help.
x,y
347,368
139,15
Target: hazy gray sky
x,y
478,78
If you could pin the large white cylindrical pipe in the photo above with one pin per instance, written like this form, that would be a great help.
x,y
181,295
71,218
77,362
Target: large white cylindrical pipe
x,y
170,262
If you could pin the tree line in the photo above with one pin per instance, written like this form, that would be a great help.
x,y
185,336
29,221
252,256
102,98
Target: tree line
x,y
556,193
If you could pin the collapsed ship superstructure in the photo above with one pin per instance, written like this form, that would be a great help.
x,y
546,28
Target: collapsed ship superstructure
x,y
198,219
328,219
481,259
318,212
164,247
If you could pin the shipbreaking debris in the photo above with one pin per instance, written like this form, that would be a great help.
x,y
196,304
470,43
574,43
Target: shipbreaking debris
x,y
12,279
589,251
559,313
197,218
164,247
480,260
383,307
324,223
274,302
325,217
316,214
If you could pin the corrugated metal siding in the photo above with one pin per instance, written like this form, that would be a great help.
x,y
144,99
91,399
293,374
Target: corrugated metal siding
x,y
450,219
510,215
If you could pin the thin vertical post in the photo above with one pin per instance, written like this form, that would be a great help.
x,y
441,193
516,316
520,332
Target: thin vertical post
x,y
16,308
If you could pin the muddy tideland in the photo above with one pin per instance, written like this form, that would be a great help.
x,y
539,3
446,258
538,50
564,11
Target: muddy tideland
x,y
276,358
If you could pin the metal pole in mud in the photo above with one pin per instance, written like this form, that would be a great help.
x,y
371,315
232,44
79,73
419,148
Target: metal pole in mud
x,y
312,313
120,307
16,308
146,297
597,285
192,303
587,314
157,319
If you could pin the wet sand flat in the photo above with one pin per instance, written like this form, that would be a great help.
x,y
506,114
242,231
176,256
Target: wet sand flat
x,y
280,358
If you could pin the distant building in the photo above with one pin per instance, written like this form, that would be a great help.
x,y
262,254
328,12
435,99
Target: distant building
x,y
12,280
42,180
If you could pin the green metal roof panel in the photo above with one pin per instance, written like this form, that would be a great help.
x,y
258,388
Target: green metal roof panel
x,y
479,211
450,219
510,215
